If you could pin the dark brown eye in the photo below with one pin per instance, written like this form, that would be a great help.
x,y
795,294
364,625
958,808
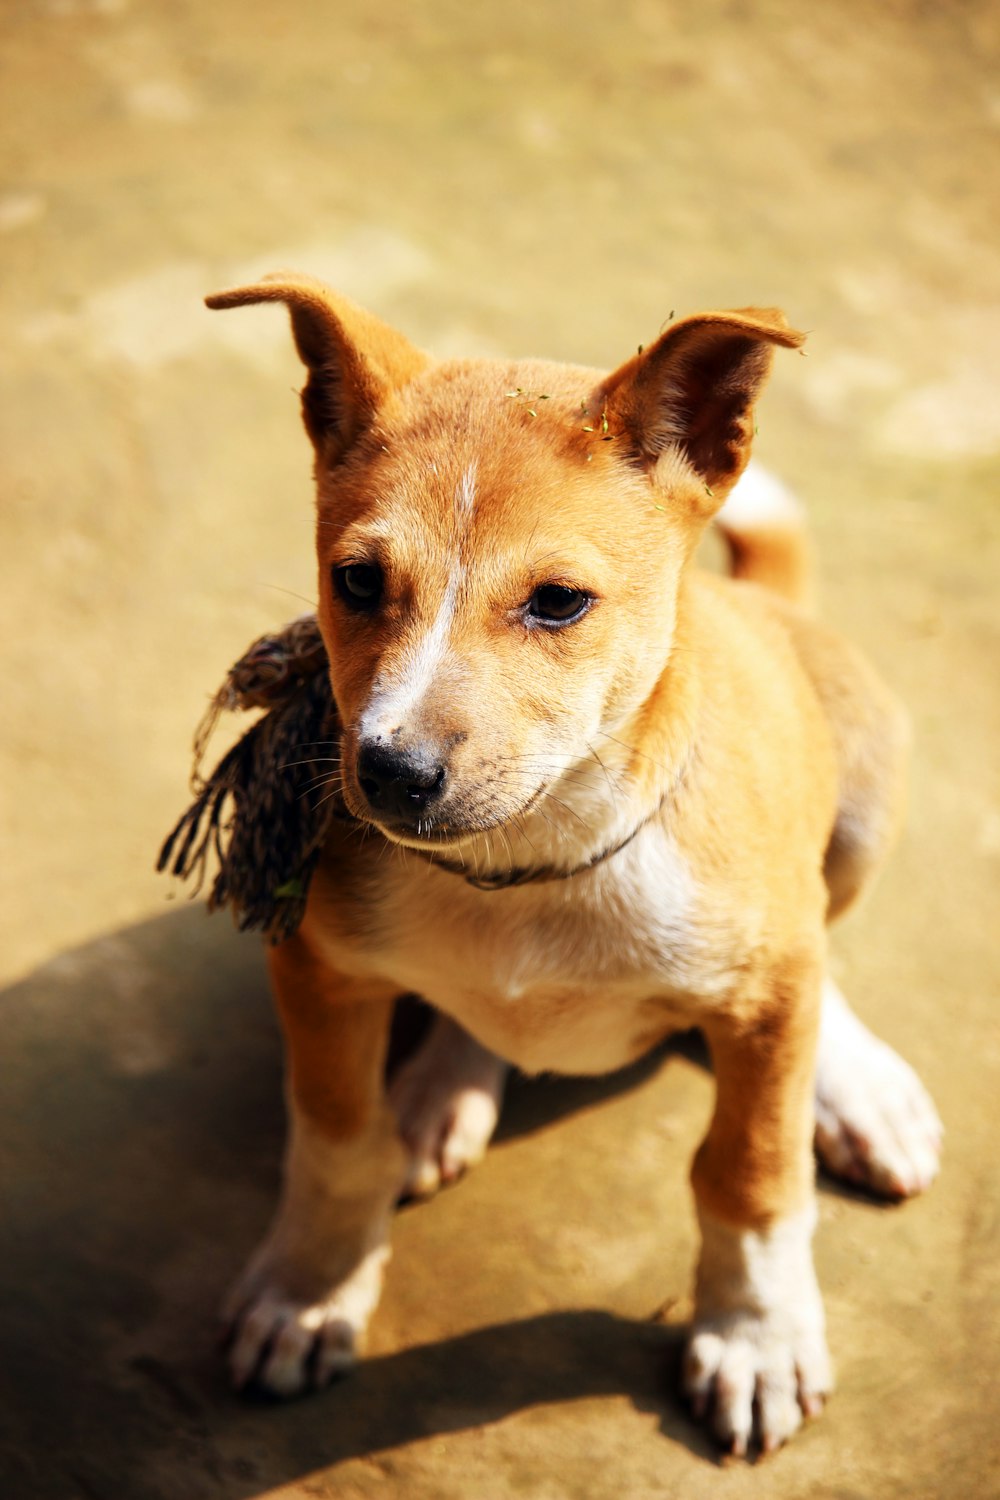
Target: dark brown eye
x,y
359,585
554,604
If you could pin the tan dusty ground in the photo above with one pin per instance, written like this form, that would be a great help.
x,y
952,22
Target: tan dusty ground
x,y
550,178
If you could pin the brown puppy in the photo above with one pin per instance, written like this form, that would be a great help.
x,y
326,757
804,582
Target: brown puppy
x,y
613,797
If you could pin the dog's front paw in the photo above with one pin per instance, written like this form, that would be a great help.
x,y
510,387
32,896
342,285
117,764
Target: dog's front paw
x,y
876,1124
284,1340
757,1360
751,1373
447,1100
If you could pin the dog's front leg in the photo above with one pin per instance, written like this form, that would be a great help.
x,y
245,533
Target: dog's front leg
x,y
758,1344
298,1313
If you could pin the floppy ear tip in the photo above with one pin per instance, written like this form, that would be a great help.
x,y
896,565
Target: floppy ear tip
x,y
239,296
773,321
788,337
274,286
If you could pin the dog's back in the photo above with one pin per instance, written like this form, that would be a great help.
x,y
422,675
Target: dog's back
x,y
764,527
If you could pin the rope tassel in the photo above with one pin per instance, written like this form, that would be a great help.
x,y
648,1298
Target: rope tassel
x,y
266,808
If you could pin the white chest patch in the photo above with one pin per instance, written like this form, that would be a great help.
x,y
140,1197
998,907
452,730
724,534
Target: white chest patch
x,y
578,976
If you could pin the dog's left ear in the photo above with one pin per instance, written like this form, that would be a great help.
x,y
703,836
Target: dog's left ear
x,y
695,389
355,360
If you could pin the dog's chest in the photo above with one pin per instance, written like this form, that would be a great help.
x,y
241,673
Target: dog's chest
x,y
579,975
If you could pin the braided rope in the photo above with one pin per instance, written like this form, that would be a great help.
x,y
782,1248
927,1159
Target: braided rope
x,y
266,808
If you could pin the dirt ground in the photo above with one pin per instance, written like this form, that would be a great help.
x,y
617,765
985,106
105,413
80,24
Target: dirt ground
x,y
533,178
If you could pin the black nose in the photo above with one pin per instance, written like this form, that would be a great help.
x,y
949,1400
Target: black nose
x,y
401,783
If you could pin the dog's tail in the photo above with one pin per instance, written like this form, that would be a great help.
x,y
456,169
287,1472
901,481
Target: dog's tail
x,y
764,527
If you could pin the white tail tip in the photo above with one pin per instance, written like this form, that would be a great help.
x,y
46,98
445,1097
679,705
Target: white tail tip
x,y
760,502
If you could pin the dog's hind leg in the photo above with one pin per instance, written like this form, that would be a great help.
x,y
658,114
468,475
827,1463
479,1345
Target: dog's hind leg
x,y
876,1125
447,1101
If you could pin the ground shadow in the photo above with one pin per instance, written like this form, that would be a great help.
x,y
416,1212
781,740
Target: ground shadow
x,y
142,1129
473,1380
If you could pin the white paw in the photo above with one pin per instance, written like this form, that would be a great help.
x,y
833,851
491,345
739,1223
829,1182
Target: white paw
x,y
757,1360
447,1101
876,1124
750,1374
285,1344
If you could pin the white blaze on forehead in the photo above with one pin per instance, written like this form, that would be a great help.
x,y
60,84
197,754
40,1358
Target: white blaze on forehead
x,y
423,661
465,496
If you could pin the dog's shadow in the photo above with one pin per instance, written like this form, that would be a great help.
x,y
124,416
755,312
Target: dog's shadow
x,y
143,1124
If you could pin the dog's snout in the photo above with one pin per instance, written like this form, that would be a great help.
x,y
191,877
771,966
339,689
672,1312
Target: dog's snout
x,y
399,783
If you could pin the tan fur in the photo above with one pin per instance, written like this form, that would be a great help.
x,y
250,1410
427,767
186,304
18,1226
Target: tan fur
x,y
746,759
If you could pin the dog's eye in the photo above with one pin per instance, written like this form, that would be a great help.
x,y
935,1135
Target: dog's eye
x,y
554,604
359,585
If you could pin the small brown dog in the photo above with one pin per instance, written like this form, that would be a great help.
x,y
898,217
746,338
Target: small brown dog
x,y
614,797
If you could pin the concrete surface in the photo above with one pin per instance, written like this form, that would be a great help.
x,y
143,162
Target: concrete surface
x,y
532,178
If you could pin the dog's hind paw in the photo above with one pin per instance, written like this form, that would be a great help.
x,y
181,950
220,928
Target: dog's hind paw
x,y
447,1101
876,1124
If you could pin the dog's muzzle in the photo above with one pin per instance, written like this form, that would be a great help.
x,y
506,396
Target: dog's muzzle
x,y
400,785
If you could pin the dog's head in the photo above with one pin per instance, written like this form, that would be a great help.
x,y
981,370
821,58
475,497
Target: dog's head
x,y
501,546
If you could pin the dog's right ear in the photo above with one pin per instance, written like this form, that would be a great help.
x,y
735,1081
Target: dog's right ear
x,y
354,360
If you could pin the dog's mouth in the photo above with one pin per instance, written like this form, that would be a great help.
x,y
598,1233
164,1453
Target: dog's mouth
x,y
436,830
443,838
